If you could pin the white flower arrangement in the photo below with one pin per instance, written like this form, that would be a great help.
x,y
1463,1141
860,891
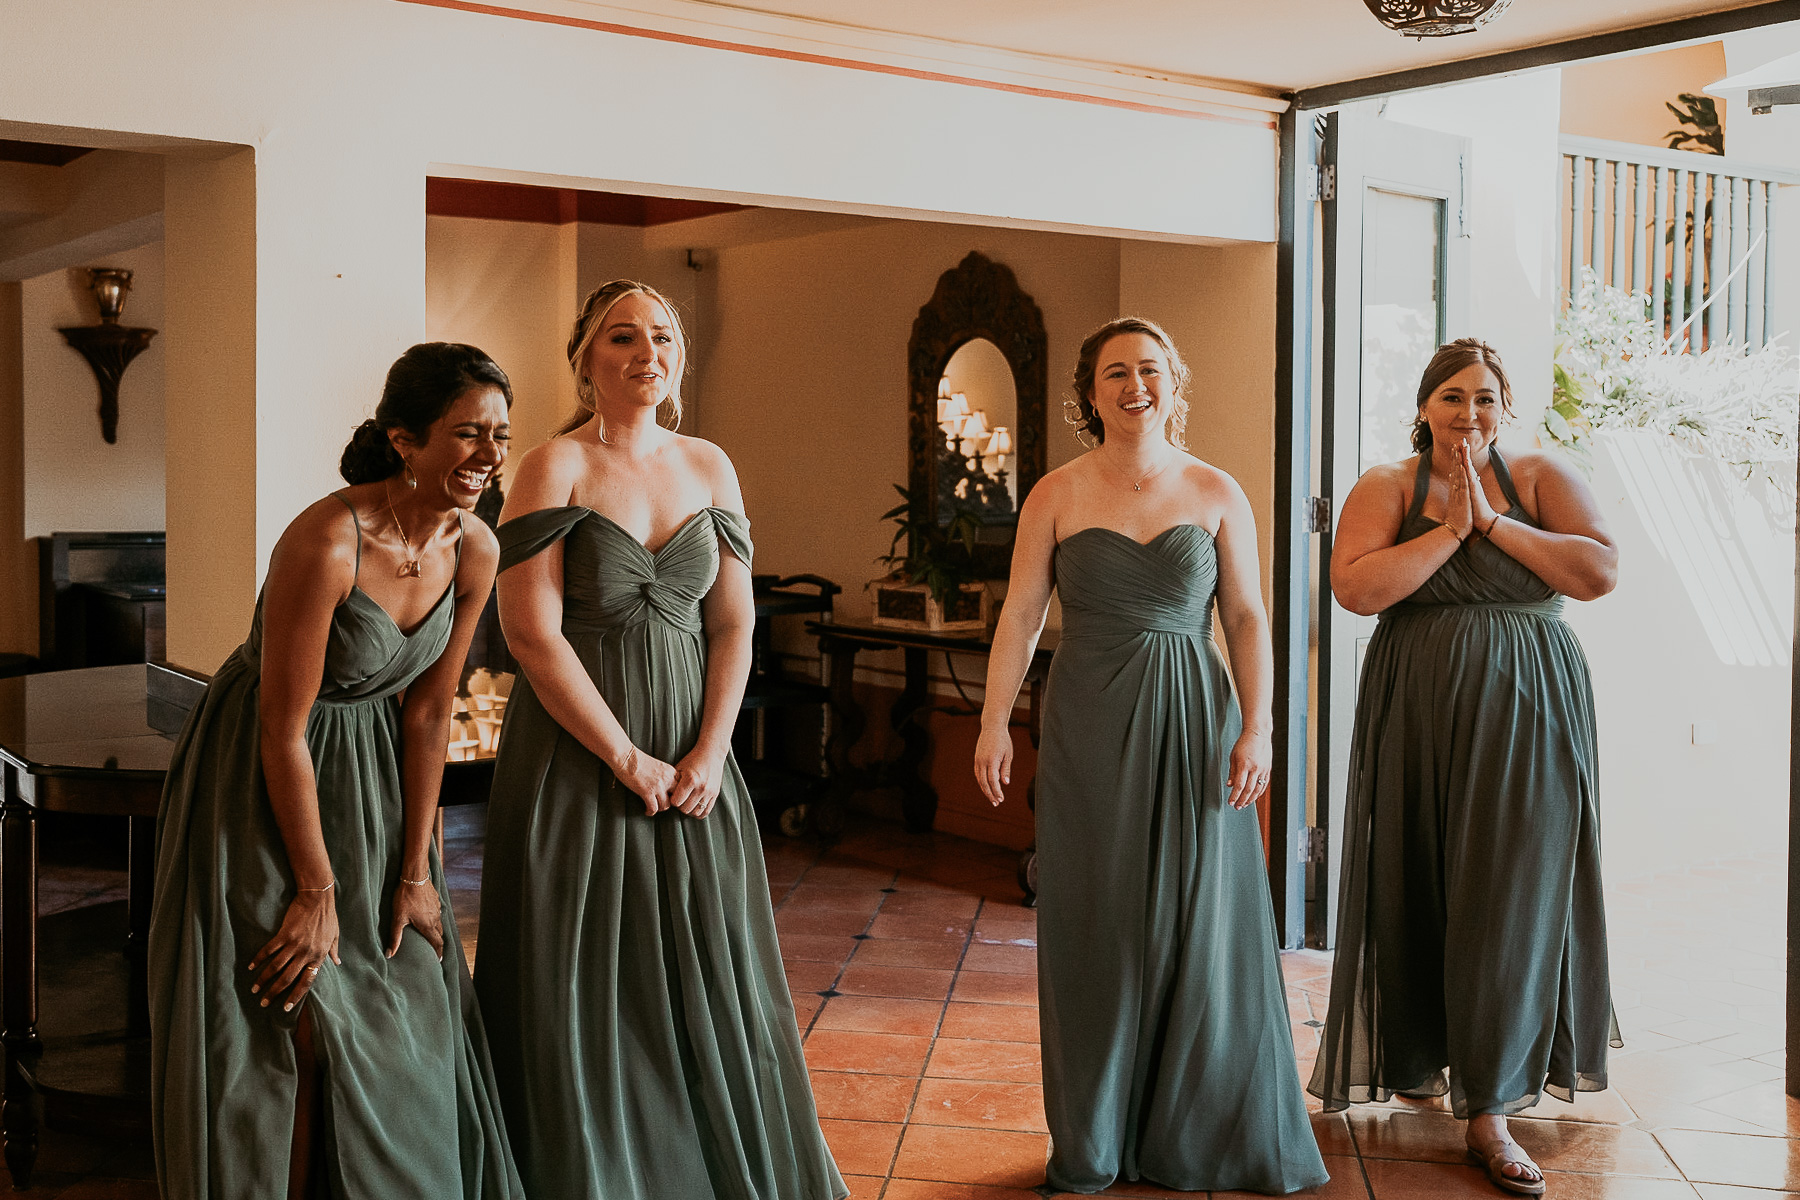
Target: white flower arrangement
x,y
1615,370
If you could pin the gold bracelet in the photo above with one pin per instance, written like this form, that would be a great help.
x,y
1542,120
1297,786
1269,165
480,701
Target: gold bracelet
x,y
415,882
326,888
1459,537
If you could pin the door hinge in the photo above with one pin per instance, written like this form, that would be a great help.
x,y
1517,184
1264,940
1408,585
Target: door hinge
x,y
1328,182
1318,514
1312,845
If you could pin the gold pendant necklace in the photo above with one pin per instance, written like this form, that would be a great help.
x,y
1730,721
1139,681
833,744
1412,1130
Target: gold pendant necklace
x,y
409,568
1139,485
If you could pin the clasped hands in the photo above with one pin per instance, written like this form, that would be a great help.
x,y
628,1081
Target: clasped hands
x,y
1467,510
690,786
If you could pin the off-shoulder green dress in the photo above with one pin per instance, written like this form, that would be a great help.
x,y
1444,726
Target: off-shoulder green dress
x,y
1471,929
1167,1050
411,1109
641,1025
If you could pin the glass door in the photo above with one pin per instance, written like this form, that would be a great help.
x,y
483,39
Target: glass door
x,y
1396,260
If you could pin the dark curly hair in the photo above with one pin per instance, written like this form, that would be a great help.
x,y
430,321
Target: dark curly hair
x,y
1081,412
1450,359
421,386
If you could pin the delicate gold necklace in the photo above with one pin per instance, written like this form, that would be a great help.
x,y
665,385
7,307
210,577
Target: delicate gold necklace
x,y
1139,485
409,569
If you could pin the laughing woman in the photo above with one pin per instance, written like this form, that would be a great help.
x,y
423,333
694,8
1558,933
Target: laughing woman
x,y
644,1038
1471,951
312,1023
1167,1051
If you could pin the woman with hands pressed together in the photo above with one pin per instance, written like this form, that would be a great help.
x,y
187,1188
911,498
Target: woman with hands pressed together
x,y
644,1037
312,1024
1471,933
1166,1047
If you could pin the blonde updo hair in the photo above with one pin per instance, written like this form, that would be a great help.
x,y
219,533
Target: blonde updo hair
x,y
588,324
1080,412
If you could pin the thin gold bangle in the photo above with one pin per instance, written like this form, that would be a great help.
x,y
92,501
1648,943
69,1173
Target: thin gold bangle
x,y
1459,537
415,882
326,888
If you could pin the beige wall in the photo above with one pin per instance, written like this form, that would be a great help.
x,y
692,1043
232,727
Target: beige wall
x,y
75,480
1218,303
494,284
1623,98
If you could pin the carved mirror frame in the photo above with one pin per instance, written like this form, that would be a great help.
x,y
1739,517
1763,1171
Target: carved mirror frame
x,y
977,298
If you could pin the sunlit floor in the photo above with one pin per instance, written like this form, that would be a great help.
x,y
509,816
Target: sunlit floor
x,y
912,966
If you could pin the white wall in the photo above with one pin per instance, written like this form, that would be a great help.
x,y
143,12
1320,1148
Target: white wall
x,y
74,480
1512,124
348,104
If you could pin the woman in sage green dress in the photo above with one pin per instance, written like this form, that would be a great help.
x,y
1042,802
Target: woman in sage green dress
x,y
643,1035
1471,932
303,1042
1167,1051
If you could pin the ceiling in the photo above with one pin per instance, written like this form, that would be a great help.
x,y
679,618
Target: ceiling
x,y
1255,44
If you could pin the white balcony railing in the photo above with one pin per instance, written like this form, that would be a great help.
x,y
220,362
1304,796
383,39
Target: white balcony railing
x,y
1695,231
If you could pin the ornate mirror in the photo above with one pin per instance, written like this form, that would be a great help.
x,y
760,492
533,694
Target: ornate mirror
x,y
977,374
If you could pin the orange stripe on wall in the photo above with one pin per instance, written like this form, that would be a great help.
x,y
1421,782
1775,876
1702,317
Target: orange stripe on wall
x,y
495,10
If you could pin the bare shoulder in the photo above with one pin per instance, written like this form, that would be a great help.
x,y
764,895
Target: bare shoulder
x,y
545,477
481,549
1216,485
320,543
713,467
1390,481
1530,465
1055,487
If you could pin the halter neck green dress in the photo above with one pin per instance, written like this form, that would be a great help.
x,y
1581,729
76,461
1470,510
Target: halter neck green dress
x,y
643,1033
410,1107
1471,930
1167,1050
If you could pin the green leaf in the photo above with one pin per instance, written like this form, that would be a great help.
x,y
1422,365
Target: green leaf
x,y
1558,427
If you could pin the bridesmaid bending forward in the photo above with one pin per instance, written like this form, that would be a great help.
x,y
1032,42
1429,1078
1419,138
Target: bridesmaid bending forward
x,y
1166,1045
1471,933
644,1037
313,1031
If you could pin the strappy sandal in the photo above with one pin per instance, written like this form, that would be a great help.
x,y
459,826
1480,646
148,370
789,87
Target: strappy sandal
x,y
1495,1163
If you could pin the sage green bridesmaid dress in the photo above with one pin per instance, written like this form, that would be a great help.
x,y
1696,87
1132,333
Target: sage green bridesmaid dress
x,y
1167,1050
1471,930
411,1108
643,1033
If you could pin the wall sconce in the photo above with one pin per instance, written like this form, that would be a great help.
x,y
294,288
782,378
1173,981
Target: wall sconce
x,y
109,346
1435,18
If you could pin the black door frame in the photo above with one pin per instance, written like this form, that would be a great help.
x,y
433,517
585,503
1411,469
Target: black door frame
x,y
1290,842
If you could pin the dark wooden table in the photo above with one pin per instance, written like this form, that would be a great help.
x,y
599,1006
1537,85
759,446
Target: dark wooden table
x,y
76,742
841,640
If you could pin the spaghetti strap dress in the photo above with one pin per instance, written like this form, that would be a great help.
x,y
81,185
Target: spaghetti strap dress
x,y
409,1097
643,1033
1166,1045
1471,929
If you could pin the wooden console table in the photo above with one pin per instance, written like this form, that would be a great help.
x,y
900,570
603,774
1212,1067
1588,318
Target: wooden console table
x,y
840,641
77,742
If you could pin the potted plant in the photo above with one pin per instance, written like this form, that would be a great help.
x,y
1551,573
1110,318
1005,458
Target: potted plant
x,y
932,586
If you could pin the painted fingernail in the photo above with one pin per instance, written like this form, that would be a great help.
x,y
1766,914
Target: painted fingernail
x,y
255,988
288,1007
265,1002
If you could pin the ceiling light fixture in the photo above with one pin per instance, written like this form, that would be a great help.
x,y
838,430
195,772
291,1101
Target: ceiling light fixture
x,y
1436,18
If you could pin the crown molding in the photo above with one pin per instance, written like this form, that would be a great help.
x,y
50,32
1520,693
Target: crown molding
x,y
724,27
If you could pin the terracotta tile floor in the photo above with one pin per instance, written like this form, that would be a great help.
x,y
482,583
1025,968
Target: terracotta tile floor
x,y
913,971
